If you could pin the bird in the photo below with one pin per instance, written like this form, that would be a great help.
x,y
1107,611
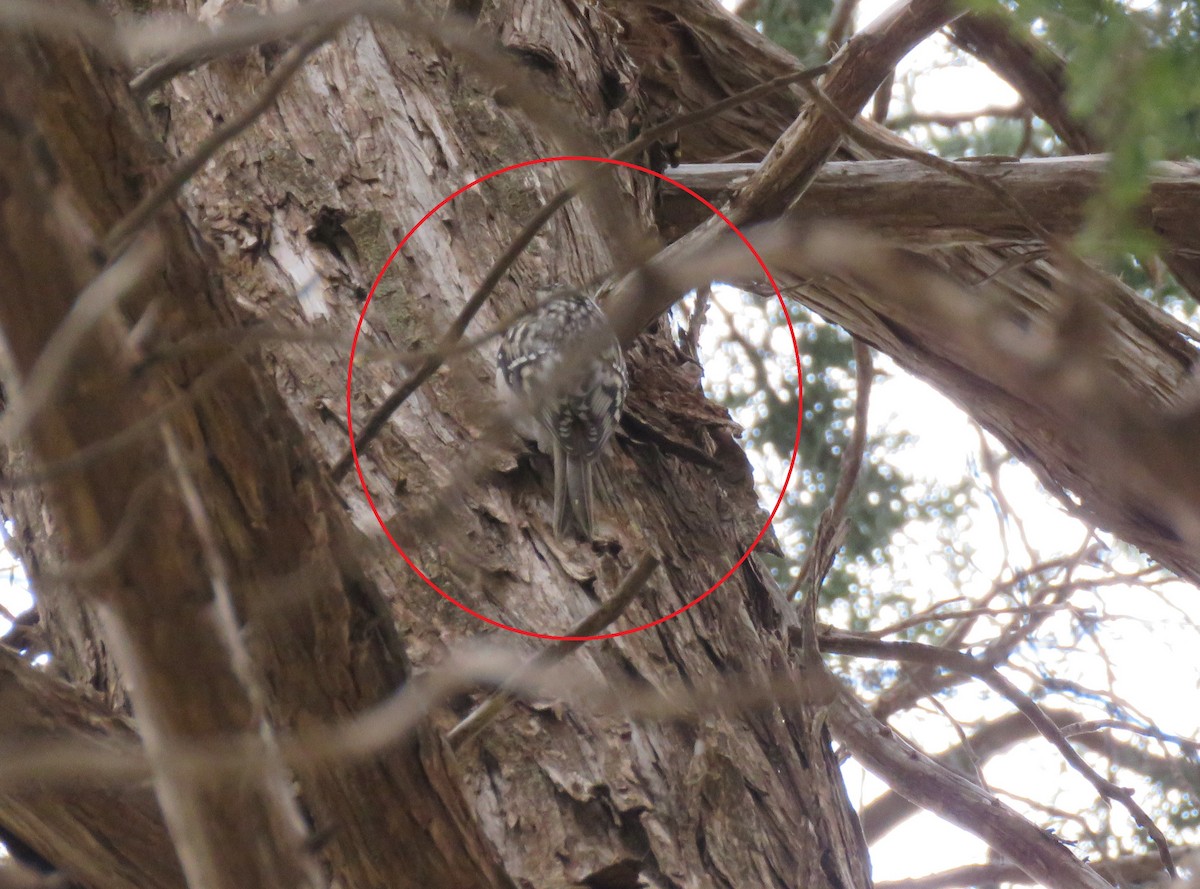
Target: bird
x,y
561,371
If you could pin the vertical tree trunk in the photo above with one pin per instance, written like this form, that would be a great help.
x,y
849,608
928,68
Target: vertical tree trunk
x,y
301,212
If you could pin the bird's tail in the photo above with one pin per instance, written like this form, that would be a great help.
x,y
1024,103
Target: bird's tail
x,y
572,493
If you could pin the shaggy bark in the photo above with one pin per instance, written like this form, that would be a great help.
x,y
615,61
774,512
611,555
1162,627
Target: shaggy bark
x,y
318,639
301,212
288,226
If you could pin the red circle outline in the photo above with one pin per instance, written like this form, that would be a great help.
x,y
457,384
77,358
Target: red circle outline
x,y
350,380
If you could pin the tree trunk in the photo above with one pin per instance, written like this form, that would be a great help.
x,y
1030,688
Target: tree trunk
x,y
288,226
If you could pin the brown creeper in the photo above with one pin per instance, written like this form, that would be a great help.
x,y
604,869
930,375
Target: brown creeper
x,y
563,367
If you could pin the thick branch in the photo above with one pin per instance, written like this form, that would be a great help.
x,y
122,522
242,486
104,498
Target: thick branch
x,y
909,202
93,397
794,160
1031,68
855,73
890,808
1131,870
1040,76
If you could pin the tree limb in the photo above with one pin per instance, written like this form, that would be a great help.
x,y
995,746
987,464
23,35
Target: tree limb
x,y
912,204
956,799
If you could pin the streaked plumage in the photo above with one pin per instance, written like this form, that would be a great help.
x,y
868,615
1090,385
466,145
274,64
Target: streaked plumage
x,y
566,369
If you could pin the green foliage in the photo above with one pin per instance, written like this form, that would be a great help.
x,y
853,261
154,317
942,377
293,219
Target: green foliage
x,y
796,25
987,136
1133,72
1150,278
1134,76
761,391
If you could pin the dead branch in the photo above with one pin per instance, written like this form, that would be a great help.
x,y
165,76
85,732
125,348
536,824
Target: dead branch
x,y
1148,348
956,799
913,204
1030,67
891,808
947,119
854,74
1040,76
858,646
1131,870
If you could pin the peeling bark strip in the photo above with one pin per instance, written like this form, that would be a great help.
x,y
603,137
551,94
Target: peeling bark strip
x,y
909,202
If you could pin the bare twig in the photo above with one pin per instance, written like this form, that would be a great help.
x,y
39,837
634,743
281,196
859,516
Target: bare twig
x,y
984,183
861,646
691,338
1096,725
368,733
934,616
208,380
1131,870
609,611
956,799
855,73
948,119
830,531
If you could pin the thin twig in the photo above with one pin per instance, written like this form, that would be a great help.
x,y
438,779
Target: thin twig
x,y
964,614
830,529
832,526
856,645
63,20
367,734
205,382
119,542
609,611
947,119
691,337
890,149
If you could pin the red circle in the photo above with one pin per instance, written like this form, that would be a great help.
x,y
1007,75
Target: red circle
x,y
350,379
